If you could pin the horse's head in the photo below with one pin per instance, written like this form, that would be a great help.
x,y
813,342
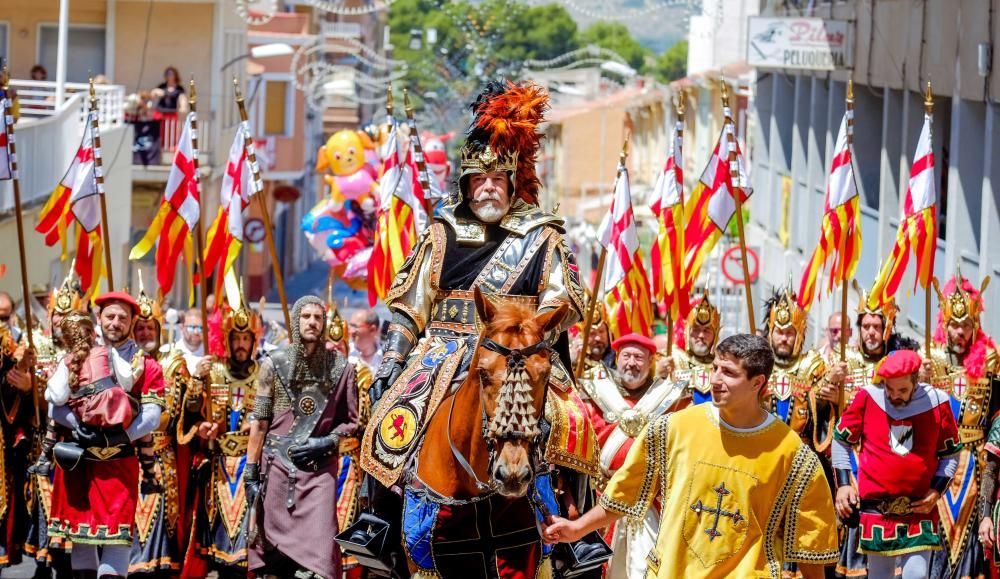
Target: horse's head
x,y
512,365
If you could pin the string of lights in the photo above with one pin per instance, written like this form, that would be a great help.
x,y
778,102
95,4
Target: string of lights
x,y
257,17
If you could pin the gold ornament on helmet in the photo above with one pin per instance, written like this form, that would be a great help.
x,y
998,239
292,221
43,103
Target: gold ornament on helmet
x,y
336,325
786,313
961,305
67,298
488,161
868,305
149,309
703,314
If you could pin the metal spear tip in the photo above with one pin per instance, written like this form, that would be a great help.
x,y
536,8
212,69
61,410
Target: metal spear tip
x,y
850,90
194,94
929,99
388,98
406,103
725,92
236,87
625,148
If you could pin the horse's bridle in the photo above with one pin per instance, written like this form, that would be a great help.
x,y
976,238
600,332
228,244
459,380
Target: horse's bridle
x,y
516,359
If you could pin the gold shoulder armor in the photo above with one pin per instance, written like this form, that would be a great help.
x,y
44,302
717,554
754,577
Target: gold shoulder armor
x,y
992,362
410,270
363,379
812,366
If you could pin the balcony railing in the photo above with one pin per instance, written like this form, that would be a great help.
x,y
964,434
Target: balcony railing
x,y
341,30
37,100
167,128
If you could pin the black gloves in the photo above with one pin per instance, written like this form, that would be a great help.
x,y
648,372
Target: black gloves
x,y
251,481
387,373
93,436
307,454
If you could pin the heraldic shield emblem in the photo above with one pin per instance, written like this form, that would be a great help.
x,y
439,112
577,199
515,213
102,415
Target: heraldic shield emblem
x,y
718,517
901,438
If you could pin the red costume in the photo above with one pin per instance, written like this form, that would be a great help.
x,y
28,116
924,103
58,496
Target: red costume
x,y
900,450
95,503
107,407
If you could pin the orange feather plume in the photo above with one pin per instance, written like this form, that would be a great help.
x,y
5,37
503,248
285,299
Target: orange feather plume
x,y
511,119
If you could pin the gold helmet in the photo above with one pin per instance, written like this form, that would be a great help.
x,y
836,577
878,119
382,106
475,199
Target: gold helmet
x,y
67,298
241,319
703,314
960,301
868,305
783,311
504,136
149,309
336,325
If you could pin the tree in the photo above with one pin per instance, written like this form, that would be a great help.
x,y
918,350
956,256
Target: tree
x,y
672,63
615,36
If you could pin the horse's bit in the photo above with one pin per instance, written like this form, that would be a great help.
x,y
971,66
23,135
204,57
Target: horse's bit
x,y
516,359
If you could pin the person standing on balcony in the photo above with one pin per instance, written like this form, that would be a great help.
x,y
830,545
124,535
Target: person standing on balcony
x,y
170,97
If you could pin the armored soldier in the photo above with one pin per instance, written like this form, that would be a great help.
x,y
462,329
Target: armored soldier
x,y
691,362
796,372
306,415
227,387
600,357
964,363
156,542
490,235
49,552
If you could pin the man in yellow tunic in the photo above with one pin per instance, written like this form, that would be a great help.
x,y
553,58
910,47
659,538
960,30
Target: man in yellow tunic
x,y
741,493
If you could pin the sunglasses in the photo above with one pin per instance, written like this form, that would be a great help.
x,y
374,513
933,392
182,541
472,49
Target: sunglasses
x,y
195,329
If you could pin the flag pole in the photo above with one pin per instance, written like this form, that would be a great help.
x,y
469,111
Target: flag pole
x,y
255,169
734,178
418,152
199,236
19,218
594,298
95,132
929,111
679,284
844,324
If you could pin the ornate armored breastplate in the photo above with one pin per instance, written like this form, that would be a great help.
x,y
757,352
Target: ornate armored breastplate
x,y
696,373
789,386
230,398
974,395
860,372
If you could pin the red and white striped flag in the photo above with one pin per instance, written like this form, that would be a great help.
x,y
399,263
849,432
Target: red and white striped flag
x,y
628,300
668,249
711,206
400,213
840,233
225,237
178,214
918,228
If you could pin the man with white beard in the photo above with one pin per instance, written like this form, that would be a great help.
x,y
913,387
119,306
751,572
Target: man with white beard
x,y
691,360
620,407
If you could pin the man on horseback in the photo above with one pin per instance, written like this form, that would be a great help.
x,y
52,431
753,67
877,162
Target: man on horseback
x,y
491,236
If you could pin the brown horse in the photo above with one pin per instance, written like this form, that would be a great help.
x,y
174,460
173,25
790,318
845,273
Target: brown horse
x,y
498,406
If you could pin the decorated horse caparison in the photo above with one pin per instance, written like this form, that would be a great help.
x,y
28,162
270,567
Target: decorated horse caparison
x,y
481,485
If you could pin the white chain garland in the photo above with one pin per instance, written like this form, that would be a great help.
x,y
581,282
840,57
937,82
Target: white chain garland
x,y
244,12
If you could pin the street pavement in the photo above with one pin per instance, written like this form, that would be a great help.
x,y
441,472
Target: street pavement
x,y
25,570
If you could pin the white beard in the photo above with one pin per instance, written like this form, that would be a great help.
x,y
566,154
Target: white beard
x,y
490,213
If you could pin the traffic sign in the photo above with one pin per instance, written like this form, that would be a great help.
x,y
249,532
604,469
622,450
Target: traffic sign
x,y
253,230
732,265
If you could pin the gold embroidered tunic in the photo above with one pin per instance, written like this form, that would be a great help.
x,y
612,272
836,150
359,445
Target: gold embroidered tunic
x,y
739,503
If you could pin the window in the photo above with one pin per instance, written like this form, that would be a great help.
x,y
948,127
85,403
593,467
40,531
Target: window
x,y
84,56
4,50
276,114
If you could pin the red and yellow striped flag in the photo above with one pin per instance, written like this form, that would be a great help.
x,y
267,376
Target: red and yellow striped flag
x,y
711,206
628,299
179,211
668,249
55,217
840,233
400,209
918,228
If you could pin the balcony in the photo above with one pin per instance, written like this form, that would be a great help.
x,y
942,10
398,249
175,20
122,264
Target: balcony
x,y
37,100
156,141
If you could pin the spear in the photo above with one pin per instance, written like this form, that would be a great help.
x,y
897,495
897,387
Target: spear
x,y
734,178
265,215
95,132
5,107
198,230
929,112
418,151
599,280
845,326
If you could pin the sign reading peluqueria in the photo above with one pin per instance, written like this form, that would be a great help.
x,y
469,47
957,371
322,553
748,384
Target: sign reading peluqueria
x,y
801,43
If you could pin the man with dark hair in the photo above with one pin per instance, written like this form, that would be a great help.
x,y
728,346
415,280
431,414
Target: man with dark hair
x,y
305,417
907,446
747,495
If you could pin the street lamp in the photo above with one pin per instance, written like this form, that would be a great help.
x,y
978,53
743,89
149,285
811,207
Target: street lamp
x,y
262,51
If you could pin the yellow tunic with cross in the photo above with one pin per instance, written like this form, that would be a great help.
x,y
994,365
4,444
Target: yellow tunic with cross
x,y
735,503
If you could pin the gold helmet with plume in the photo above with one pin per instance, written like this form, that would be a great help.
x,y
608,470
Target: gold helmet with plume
x,y
783,311
960,301
239,318
868,304
703,314
67,298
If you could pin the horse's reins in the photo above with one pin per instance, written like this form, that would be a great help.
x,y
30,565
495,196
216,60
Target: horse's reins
x,y
516,359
